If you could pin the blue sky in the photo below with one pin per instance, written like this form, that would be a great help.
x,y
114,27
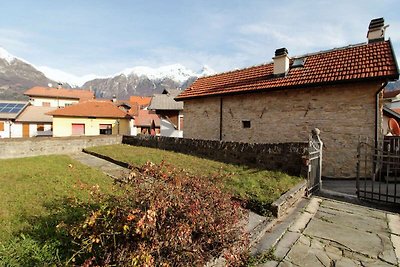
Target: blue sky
x,y
105,37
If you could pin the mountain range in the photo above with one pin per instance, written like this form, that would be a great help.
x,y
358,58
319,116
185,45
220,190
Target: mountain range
x,y
18,75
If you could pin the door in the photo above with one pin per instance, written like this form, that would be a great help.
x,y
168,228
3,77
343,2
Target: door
x,y
78,129
25,130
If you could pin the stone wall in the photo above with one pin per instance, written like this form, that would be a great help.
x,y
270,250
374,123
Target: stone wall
x,y
28,147
285,157
343,113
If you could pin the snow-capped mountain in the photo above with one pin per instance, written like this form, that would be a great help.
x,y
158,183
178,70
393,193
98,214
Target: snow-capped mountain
x,y
18,75
145,80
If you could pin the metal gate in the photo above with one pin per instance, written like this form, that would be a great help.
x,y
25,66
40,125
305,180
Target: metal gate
x,y
314,162
378,170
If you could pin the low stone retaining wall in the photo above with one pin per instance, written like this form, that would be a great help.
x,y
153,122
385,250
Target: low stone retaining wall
x,y
285,157
18,147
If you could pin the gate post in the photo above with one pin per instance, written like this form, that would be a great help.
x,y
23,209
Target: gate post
x,y
314,162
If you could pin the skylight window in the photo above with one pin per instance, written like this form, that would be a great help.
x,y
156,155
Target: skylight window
x,y
299,62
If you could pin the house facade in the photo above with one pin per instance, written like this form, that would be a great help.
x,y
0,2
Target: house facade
x,y
57,97
9,112
92,117
338,91
35,122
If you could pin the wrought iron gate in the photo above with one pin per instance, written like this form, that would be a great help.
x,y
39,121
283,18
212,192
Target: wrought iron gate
x,y
314,162
378,170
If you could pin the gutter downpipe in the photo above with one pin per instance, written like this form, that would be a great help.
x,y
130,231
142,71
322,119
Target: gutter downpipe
x,y
377,111
220,119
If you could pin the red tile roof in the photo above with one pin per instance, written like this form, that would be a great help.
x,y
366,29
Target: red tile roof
x,y
146,117
140,100
91,108
352,63
60,93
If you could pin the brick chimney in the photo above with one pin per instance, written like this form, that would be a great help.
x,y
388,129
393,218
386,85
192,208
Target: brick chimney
x,y
281,62
376,30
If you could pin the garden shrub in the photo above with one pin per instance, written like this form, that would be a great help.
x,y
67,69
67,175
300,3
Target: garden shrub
x,y
161,216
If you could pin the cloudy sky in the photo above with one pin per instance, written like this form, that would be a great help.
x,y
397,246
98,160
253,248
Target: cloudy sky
x,y
104,37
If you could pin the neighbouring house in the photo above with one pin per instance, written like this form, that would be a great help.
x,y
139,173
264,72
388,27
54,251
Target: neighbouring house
x,y
35,121
391,99
9,111
91,117
170,112
388,114
338,91
142,101
57,97
146,122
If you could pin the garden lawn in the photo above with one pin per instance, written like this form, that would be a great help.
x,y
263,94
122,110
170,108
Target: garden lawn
x,y
29,186
256,185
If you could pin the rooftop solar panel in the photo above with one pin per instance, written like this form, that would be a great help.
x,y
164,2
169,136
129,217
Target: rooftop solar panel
x,y
11,107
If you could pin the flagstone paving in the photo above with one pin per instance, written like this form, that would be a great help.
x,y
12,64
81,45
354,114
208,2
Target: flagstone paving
x,y
333,233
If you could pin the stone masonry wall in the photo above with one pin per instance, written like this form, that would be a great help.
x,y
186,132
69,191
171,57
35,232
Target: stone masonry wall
x,y
285,157
17,148
343,113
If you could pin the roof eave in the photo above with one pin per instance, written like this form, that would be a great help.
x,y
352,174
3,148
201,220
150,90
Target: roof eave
x,y
302,86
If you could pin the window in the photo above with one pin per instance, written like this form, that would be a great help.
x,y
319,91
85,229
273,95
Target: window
x,y
46,104
105,129
246,124
40,127
1,126
78,129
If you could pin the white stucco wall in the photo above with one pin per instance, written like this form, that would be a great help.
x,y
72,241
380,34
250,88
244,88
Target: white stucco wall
x,y
167,129
38,101
11,129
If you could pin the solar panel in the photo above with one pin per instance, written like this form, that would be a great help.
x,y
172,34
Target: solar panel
x,y
11,107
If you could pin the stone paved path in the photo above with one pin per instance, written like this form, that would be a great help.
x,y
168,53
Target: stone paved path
x,y
101,164
333,233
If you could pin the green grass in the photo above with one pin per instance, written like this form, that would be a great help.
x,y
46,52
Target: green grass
x,y
34,188
259,186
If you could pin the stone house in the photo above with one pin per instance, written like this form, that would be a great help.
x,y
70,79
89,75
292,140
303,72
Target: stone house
x,y
170,112
338,91
91,117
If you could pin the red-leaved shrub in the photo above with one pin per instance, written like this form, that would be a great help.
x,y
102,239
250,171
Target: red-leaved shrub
x,y
161,217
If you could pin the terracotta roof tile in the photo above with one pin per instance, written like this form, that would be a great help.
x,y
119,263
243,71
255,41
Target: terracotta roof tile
x,y
60,93
365,61
91,108
146,117
141,100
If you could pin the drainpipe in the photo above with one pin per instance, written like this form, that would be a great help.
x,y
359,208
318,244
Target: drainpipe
x,y
377,111
220,119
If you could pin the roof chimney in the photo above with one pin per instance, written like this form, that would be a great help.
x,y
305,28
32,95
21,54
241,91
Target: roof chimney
x,y
59,85
281,62
376,30
114,99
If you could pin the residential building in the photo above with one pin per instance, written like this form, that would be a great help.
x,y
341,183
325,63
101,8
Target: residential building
x,y
9,111
57,97
170,112
142,101
338,91
35,121
91,117
391,99
147,122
